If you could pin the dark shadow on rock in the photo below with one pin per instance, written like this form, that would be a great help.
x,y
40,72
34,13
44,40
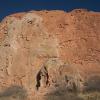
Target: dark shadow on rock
x,y
62,94
14,92
93,84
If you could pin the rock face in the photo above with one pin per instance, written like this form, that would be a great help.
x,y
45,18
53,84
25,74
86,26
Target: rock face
x,y
46,51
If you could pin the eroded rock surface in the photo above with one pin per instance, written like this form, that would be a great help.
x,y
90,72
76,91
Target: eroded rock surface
x,y
46,51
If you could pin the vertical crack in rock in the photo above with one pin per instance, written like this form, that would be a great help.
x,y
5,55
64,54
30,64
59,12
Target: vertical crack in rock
x,y
42,78
7,64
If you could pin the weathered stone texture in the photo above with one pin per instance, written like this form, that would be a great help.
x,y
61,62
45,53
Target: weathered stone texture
x,y
43,51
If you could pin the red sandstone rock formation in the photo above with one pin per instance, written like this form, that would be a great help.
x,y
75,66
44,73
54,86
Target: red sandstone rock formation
x,y
43,51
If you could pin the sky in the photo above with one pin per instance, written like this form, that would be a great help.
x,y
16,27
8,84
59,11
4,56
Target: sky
x,y
8,7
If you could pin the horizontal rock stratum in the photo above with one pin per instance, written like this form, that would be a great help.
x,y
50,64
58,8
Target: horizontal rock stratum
x,y
46,51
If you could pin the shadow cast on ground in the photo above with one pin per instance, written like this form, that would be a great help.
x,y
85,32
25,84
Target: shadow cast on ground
x,y
14,93
62,94
93,84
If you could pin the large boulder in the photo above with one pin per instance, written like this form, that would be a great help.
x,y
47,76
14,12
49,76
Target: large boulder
x,y
46,51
